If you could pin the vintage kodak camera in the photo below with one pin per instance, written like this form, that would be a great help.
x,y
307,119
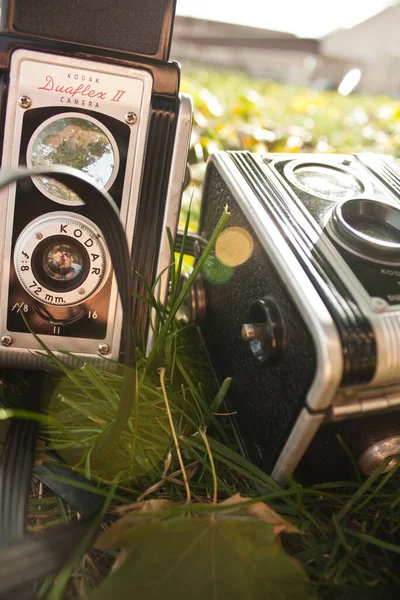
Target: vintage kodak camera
x,y
85,84
302,308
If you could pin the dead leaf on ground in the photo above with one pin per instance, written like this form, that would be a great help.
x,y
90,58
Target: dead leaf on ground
x,y
233,554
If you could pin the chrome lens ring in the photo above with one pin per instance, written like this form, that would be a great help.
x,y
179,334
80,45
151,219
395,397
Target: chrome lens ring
x,y
76,140
61,259
369,226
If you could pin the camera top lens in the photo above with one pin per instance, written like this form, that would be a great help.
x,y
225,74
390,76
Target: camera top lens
x,y
76,141
369,227
330,182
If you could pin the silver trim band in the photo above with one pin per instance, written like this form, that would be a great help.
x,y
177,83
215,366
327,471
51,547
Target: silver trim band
x,y
173,202
329,359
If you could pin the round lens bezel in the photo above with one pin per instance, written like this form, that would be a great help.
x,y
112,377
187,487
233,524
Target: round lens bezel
x,y
45,228
291,167
72,115
361,242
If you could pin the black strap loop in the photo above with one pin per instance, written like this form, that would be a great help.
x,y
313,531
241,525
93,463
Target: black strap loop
x,y
31,557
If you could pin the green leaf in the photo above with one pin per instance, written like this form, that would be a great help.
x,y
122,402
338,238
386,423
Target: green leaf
x,y
232,555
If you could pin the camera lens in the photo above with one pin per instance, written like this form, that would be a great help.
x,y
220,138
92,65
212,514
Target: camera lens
x,y
74,141
369,226
62,262
380,232
61,259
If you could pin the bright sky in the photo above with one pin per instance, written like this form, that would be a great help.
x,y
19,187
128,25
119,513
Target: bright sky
x,y
307,18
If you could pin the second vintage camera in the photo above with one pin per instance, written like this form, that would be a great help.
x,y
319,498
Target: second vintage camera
x,y
301,307
91,89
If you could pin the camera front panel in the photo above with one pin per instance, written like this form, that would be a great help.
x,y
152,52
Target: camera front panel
x,y
57,279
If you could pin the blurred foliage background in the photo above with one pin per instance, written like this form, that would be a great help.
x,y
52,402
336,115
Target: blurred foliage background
x,y
232,111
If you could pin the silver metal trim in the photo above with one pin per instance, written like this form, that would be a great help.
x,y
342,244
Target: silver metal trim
x,y
370,460
353,402
173,202
329,359
137,80
304,430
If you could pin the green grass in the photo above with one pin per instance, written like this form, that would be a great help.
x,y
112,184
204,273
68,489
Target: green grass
x,y
233,111
349,529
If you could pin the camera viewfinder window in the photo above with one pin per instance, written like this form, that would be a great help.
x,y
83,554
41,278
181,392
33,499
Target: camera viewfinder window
x,y
75,142
327,182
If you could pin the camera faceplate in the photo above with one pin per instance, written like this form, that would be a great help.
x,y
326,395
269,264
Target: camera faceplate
x,y
94,117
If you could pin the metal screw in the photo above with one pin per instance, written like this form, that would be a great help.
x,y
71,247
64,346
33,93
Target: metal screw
x,y
6,340
131,118
104,348
24,101
379,305
197,249
81,291
38,235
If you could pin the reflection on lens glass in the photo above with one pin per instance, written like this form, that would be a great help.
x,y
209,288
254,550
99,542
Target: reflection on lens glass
x,y
328,182
62,262
381,232
234,246
74,142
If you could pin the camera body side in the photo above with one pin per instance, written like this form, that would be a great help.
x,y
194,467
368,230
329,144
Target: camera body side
x,y
303,305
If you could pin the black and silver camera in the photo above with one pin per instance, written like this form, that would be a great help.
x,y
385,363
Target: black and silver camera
x,y
303,307
88,85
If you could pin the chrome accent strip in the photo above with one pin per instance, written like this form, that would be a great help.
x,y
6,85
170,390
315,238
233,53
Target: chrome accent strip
x,y
173,202
313,310
353,402
304,430
329,359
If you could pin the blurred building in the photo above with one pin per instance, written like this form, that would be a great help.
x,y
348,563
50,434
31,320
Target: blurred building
x,y
372,46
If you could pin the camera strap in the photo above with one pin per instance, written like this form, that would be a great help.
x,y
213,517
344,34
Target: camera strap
x,y
27,558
